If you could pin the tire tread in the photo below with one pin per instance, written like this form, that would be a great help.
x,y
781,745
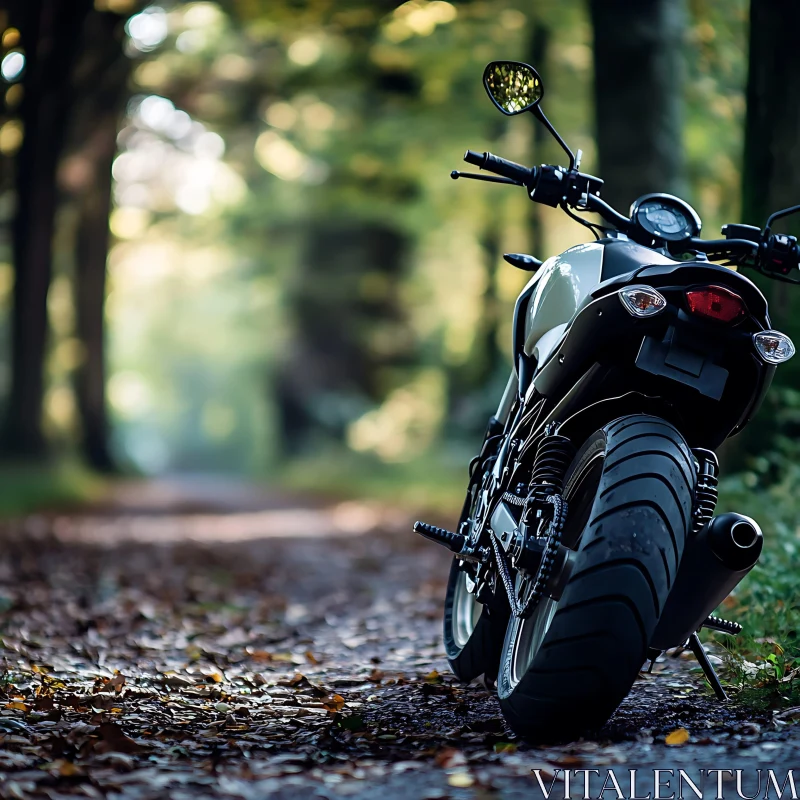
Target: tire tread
x,y
629,554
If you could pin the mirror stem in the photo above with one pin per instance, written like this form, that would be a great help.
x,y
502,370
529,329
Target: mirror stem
x,y
539,114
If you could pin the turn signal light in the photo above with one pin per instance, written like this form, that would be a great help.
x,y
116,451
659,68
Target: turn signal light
x,y
773,346
716,302
642,301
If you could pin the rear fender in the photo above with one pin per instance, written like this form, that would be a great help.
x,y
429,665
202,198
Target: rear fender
x,y
583,423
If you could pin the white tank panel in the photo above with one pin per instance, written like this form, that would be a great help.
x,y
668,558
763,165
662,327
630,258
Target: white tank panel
x,y
562,283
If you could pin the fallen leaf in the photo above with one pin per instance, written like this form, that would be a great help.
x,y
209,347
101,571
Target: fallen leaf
x,y
66,769
460,780
259,655
333,702
433,677
286,657
449,757
568,760
114,739
117,682
678,737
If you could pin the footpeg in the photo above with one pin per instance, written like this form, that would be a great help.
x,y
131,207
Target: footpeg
x,y
722,625
452,541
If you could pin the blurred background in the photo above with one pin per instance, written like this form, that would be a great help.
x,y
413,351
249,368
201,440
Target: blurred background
x,y
229,242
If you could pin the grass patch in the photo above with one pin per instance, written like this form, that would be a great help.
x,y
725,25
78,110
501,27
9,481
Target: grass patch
x,y
27,487
764,660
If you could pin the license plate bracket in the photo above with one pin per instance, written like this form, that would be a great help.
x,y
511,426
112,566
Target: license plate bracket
x,y
669,359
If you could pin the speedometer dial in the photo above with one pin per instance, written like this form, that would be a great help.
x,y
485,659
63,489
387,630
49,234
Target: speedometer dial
x,y
665,217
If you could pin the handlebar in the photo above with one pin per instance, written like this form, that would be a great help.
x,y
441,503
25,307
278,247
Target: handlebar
x,y
723,247
501,166
609,214
777,256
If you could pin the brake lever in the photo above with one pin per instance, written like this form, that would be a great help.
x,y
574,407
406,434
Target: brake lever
x,y
455,175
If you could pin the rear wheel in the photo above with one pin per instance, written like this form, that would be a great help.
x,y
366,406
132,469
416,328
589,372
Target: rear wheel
x,y
473,632
566,668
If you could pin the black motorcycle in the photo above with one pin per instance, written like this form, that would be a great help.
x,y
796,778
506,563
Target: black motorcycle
x,y
588,543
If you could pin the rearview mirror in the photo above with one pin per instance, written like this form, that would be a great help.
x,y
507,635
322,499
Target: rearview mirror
x,y
513,86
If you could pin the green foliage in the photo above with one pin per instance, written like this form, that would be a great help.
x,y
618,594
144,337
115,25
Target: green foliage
x,y
30,487
765,659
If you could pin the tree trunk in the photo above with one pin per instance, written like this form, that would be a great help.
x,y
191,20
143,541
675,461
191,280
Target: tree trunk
x,y
90,295
50,32
102,74
540,42
771,174
771,181
638,96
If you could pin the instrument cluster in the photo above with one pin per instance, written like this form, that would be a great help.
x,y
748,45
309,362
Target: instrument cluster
x,y
665,217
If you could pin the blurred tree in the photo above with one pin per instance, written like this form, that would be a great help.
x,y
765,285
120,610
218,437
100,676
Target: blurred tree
x,y
771,172
50,33
638,78
100,86
770,182
539,49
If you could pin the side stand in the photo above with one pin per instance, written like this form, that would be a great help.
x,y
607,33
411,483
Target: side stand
x,y
702,658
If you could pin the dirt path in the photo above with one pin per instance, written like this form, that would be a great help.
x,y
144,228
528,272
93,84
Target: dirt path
x,y
201,639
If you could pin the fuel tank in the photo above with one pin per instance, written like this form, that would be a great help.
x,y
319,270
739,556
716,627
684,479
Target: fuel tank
x,y
551,298
558,288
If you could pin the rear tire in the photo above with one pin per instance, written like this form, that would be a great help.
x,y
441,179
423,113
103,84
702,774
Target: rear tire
x,y
629,490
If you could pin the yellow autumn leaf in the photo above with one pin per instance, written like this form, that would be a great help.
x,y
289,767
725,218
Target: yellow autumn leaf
x,y
433,677
460,780
677,737
17,706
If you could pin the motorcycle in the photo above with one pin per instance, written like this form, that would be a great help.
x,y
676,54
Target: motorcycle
x,y
587,544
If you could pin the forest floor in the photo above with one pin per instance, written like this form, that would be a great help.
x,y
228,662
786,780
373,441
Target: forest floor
x,y
202,639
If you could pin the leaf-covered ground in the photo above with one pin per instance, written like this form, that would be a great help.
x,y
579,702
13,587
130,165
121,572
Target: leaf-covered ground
x,y
201,640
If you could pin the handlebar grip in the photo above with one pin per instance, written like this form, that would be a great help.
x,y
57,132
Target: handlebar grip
x,y
475,158
501,166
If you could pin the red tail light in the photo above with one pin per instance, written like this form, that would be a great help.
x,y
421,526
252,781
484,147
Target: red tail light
x,y
716,302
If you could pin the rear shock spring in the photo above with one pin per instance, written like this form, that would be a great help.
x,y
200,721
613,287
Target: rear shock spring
x,y
553,456
705,498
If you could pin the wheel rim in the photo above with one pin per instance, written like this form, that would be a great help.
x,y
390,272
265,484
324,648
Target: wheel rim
x,y
524,637
466,610
529,637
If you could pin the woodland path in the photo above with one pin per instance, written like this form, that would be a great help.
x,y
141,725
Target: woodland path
x,y
200,639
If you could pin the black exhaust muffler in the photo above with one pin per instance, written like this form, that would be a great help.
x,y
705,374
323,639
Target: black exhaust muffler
x,y
714,562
